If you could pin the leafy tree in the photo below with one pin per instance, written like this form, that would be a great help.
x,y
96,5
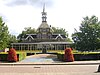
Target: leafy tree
x,y
12,39
27,30
88,38
60,31
4,34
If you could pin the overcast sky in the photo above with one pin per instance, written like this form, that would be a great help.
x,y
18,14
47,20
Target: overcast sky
x,y
67,14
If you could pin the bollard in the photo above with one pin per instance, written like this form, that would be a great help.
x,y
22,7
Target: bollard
x,y
98,69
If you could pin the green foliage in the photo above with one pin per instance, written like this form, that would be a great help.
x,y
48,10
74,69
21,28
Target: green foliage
x,y
3,56
81,56
21,55
27,30
60,31
94,56
12,39
4,35
60,56
88,38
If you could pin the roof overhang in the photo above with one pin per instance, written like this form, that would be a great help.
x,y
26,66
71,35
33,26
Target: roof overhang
x,y
67,43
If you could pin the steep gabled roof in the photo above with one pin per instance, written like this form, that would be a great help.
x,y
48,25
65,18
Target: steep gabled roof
x,y
59,36
29,37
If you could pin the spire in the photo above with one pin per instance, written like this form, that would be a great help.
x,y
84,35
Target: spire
x,y
44,14
44,7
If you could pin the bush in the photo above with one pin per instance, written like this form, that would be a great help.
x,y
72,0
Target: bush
x,y
68,56
21,55
60,56
81,56
12,56
3,56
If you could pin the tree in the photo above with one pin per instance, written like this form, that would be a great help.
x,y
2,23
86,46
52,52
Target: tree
x,y
88,38
60,31
12,39
27,30
4,34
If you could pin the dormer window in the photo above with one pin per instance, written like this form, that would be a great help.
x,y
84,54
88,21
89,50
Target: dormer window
x,y
44,30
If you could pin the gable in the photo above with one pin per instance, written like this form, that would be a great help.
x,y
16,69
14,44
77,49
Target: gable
x,y
29,37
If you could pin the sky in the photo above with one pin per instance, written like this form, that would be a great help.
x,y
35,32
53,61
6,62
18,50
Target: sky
x,y
67,14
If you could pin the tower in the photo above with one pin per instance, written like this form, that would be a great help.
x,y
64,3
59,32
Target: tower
x,y
44,31
44,14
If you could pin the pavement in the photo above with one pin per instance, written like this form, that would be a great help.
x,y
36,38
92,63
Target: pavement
x,y
96,62
50,68
54,62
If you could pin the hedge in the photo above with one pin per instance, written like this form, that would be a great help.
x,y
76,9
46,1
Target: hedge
x,y
20,56
81,56
3,56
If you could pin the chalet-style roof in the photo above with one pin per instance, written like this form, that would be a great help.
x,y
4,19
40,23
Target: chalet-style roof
x,y
44,32
58,35
30,35
55,36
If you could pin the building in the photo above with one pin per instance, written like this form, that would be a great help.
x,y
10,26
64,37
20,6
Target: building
x,y
44,39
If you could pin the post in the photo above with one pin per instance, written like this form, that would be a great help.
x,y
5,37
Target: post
x,y
98,68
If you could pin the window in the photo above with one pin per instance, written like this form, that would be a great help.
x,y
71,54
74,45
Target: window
x,y
44,30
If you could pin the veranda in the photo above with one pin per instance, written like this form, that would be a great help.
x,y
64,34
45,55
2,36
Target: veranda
x,y
46,46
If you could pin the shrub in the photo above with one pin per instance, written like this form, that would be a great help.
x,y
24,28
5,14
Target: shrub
x,y
21,55
12,56
68,56
60,56
3,56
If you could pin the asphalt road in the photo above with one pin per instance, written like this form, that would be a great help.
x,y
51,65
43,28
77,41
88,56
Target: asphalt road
x,y
49,70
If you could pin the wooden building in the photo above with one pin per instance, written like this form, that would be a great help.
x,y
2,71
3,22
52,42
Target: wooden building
x,y
44,39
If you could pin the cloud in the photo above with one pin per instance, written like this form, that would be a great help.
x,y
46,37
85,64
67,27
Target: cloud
x,y
37,3
3,17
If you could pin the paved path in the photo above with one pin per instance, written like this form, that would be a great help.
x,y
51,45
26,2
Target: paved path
x,y
53,62
49,70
